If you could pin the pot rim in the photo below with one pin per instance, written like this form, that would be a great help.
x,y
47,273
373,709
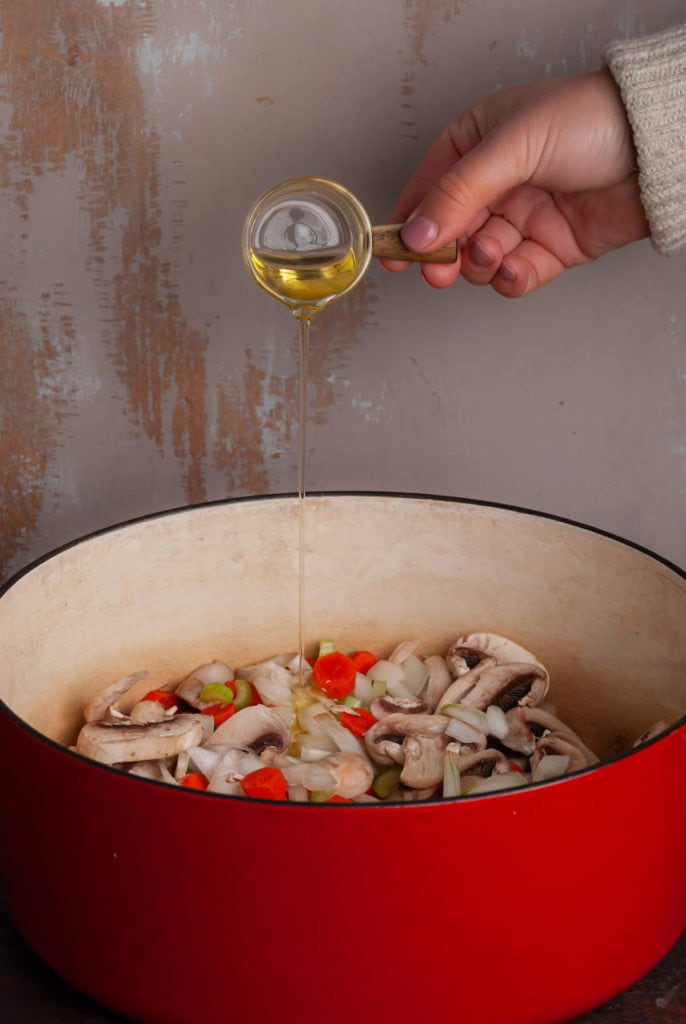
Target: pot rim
x,y
125,778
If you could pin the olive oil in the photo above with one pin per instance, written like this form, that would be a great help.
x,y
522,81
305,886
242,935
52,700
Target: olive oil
x,y
305,281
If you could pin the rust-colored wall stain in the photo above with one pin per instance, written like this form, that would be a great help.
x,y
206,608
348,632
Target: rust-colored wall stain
x,y
269,406
69,75
24,440
420,15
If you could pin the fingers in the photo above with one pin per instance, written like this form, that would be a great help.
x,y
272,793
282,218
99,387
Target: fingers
x,y
526,268
463,192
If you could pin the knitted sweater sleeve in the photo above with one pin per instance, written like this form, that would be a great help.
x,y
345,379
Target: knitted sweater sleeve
x,y
651,76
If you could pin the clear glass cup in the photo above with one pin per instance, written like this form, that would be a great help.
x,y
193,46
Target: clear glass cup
x,y
307,241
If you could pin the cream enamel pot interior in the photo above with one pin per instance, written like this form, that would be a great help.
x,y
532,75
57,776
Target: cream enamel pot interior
x,y
177,907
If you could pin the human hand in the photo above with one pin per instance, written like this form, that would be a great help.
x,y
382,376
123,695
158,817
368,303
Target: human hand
x,y
533,180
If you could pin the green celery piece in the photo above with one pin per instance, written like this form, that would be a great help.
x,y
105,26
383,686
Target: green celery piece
x,y
326,647
216,693
385,782
243,693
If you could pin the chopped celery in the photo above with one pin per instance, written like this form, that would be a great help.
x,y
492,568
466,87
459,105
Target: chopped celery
x,y
378,688
216,693
386,781
326,647
243,693
351,701
320,796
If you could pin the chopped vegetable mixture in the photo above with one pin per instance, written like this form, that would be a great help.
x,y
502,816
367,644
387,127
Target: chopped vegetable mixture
x,y
346,728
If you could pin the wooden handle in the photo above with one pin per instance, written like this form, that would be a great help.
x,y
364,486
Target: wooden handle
x,y
387,245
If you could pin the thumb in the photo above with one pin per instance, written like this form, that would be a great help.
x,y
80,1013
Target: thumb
x,y
461,194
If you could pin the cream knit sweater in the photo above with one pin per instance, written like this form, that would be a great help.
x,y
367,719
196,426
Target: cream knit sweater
x,y
651,75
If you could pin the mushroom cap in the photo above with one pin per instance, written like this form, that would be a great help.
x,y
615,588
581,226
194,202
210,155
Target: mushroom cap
x,y
508,685
424,760
382,707
527,725
391,731
258,727
354,774
560,744
483,763
126,741
472,649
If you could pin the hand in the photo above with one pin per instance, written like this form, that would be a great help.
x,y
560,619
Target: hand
x,y
532,180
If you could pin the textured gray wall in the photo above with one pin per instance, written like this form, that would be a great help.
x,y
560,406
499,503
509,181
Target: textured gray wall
x,y
142,369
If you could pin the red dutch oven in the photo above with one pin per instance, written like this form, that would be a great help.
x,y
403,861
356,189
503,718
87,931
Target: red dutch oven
x,y
176,907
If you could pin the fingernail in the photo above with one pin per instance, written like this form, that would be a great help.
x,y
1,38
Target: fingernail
x,y
480,256
506,272
419,233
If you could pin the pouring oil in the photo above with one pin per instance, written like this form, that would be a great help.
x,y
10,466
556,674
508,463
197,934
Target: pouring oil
x,y
306,242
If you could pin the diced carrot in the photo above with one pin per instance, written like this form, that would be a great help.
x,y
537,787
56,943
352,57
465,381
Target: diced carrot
x,y
194,780
163,697
266,784
334,674
256,699
358,721
514,766
336,799
363,660
220,712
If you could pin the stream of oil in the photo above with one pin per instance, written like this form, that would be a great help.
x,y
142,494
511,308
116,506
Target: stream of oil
x,y
303,344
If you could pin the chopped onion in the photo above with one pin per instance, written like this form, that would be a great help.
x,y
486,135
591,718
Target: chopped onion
x,y
312,776
551,766
416,674
286,712
342,737
181,765
165,774
314,748
207,760
438,681
214,672
498,725
261,668
293,666
363,689
459,730
298,794
472,716
504,780
274,685
309,718
403,651
385,672
451,774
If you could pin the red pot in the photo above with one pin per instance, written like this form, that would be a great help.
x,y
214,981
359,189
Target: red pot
x,y
178,907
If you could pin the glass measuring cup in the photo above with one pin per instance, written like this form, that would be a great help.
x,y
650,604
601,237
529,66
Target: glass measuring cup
x,y
308,241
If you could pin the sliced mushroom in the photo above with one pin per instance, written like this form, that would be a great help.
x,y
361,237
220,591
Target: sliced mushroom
x,y
528,724
423,767
508,685
133,687
384,740
483,763
260,728
464,684
353,774
126,742
652,732
382,707
474,648
561,745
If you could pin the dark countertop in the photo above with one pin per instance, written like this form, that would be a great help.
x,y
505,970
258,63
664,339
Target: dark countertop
x,y
31,994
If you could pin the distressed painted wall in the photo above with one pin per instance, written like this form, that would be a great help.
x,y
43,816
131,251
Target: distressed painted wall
x,y
142,369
